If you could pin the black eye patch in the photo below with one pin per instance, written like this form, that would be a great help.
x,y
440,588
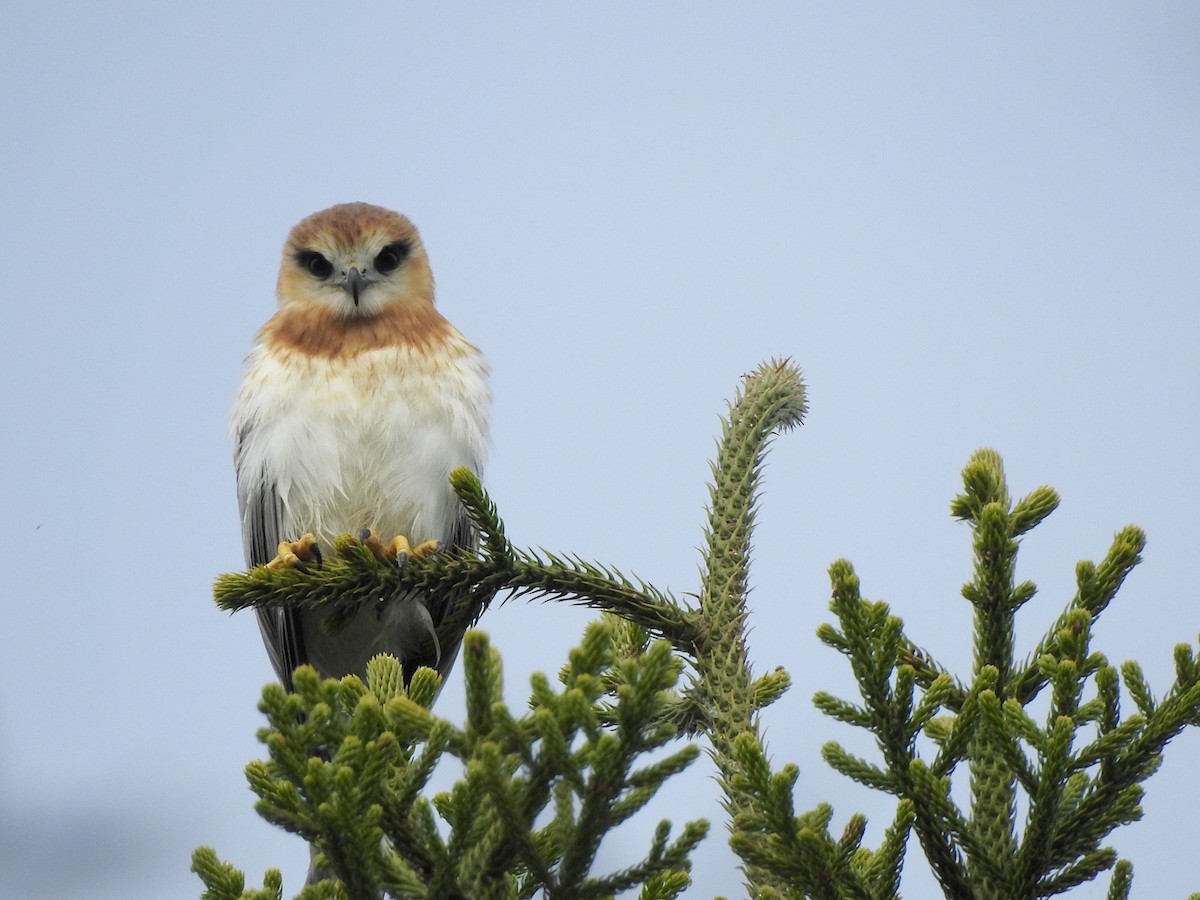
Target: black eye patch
x,y
390,257
315,263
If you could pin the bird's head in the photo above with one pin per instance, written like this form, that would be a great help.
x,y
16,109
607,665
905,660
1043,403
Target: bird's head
x,y
355,259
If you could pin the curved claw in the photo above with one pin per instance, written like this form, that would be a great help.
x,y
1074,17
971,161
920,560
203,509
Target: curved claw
x,y
371,541
399,549
297,554
425,548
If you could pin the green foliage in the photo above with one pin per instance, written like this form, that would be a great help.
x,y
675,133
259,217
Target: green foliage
x,y
1051,764
349,763
1078,767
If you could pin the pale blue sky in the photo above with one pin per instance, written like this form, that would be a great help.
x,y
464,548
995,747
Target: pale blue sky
x,y
969,225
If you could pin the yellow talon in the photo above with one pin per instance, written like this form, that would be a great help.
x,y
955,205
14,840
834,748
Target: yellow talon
x,y
399,546
371,541
294,554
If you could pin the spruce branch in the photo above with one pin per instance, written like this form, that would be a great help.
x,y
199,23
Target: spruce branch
x,y
784,854
353,576
770,400
1096,587
1081,772
1122,881
349,761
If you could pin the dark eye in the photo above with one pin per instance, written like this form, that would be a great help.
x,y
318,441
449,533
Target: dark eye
x,y
315,263
391,256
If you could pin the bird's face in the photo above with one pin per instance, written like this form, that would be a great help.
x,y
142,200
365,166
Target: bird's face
x,y
356,260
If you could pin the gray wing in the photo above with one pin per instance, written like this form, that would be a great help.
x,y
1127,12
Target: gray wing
x,y
262,514
462,534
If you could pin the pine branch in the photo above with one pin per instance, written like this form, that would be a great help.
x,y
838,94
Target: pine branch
x,y
353,576
348,762
1084,777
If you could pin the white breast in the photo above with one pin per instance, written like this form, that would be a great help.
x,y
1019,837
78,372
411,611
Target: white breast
x,y
367,442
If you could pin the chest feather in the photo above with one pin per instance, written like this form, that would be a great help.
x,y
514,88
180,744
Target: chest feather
x,y
366,442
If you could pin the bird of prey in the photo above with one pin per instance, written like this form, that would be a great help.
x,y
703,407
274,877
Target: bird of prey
x,y
358,400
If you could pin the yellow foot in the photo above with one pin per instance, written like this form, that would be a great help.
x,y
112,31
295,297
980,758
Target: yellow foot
x,y
295,554
398,548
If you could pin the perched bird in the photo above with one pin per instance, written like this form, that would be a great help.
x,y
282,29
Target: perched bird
x,y
358,400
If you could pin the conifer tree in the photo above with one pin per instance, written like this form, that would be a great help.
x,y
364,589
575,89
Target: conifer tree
x,y
349,760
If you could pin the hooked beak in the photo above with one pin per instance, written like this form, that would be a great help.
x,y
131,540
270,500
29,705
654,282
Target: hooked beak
x,y
355,284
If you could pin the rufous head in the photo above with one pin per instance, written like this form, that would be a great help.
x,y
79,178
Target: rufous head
x,y
354,259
